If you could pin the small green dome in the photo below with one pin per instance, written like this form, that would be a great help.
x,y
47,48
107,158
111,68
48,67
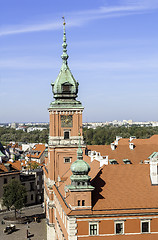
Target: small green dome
x,y
80,167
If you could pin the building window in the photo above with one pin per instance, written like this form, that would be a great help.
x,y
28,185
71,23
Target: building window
x,y
145,226
31,197
66,135
32,186
119,227
25,199
5,180
83,202
67,160
78,202
93,228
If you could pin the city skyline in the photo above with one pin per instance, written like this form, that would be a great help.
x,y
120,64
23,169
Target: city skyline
x,y
113,54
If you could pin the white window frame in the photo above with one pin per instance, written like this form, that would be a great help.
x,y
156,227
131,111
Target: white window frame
x,y
97,224
119,222
67,157
145,220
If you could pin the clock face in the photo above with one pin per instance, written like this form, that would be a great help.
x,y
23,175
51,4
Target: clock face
x,y
66,120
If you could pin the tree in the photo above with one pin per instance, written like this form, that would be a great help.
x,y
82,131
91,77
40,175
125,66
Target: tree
x,y
14,195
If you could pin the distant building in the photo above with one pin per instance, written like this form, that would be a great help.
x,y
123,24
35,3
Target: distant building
x,y
29,177
31,129
13,125
37,153
7,173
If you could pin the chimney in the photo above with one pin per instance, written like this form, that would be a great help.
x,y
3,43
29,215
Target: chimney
x,y
153,171
117,139
131,138
113,147
131,146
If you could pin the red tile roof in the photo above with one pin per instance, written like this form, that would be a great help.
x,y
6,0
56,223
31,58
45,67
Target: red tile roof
x,y
17,164
124,187
142,150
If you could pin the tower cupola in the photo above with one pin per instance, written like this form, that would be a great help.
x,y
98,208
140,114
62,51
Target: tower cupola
x,y
80,170
65,86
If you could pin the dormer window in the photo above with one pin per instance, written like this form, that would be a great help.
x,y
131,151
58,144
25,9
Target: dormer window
x,y
66,88
127,161
113,161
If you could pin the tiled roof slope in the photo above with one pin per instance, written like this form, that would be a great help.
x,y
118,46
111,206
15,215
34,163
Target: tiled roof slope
x,y
17,164
142,150
124,187
3,168
12,168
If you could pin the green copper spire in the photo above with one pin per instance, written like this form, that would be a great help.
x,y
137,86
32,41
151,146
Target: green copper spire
x,y
65,87
64,56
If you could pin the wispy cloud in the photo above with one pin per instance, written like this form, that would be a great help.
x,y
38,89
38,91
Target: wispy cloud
x,y
123,8
10,30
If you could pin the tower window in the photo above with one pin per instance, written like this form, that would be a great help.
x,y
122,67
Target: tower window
x,y
66,88
66,135
78,202
83,202
67,160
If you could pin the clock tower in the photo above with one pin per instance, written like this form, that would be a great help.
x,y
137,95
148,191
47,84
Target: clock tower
x,y
65,121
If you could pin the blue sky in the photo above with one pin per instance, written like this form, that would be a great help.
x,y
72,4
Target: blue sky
x,y
113,53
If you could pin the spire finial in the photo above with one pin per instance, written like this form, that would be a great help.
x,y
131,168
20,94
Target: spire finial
x,y
64,56
64,23
79,150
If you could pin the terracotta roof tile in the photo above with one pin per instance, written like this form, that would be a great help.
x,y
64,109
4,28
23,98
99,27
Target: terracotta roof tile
x,y
142,150
124,187
3,168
